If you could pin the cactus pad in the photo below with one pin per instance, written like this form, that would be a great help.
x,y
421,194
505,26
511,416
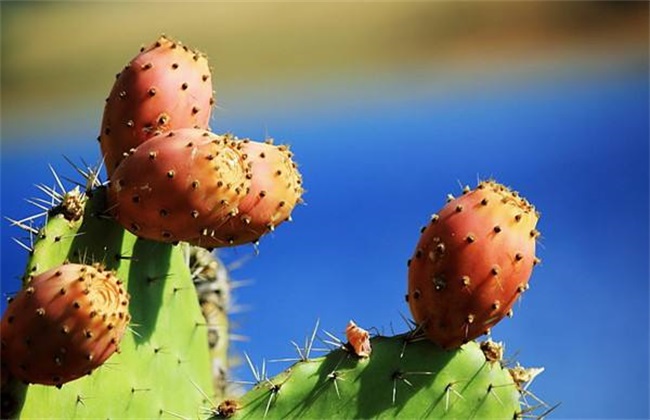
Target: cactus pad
x,y
403,377
163,368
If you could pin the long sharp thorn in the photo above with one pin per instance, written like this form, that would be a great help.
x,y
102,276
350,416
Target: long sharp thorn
x,y
333,337
22,245
76,167
35,216
239,337
240,283
268,404
75,235
51,192
288,359
336,387
256,374
202,392
313,337
242,382
411,325
336,345
72,181
238,263
33,202
239,309
57,179
100,166
549,411
298,349
22,225
494,394
178,416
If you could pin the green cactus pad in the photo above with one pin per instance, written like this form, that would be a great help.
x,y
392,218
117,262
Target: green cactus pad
x,y
403,377
163,369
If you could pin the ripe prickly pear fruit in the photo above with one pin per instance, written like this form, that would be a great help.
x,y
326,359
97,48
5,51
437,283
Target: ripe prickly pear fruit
x,y
472,262
275,189
179,185
66,322
165,87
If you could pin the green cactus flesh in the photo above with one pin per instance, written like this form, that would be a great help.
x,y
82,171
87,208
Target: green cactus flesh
x,y
163,368
403,377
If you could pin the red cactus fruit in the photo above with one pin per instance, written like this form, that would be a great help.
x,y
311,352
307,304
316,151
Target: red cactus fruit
x,y
179,185
165,87
471,263
275,189
66,322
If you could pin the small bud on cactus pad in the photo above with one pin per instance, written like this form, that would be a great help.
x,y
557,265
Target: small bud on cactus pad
x,y
63,324
471,263
275,189
358,340
179,185
165,87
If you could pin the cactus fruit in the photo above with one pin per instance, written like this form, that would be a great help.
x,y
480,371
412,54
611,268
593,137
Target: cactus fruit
x,y
405,377
275,189
165,87
179,185
64,324
472,262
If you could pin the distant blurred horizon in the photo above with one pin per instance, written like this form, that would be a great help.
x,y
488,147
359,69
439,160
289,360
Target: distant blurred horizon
x,y
55,53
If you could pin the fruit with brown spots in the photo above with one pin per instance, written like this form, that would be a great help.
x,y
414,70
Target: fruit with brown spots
x,y
472,262
64,324
275,190
179,185
166,86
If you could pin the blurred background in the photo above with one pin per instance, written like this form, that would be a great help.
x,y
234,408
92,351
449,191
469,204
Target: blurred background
x,y
388,107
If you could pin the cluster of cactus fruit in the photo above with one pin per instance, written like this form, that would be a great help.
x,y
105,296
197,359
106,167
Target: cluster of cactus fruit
x,y
171,178
107,323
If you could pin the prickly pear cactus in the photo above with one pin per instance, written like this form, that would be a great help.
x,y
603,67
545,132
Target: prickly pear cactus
x,y
213,287
405,376
163,368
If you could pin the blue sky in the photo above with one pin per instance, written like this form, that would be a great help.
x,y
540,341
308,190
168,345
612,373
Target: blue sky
x,y
379,156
